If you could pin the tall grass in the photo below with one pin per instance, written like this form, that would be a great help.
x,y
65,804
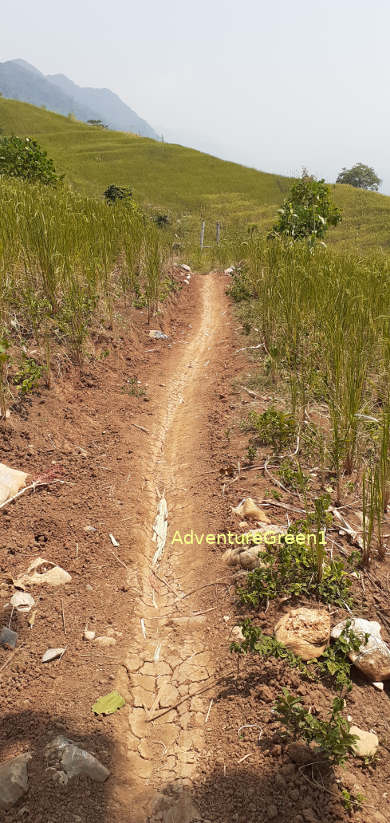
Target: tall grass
x,y
63,257
323,317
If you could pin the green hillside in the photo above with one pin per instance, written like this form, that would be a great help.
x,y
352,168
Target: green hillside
x,y
187,183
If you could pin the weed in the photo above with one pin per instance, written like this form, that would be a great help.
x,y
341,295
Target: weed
x,y
332,736
333,662
28,375
292,475
273,428
352,802
133,388
289,570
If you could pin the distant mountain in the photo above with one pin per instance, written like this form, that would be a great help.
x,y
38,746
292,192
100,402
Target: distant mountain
x,y
115,113
20,80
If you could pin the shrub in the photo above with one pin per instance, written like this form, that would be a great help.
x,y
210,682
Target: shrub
x,y
272,427
114,193
23,157
332,736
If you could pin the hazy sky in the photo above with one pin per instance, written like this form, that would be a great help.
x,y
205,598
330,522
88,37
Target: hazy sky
x,y
276,85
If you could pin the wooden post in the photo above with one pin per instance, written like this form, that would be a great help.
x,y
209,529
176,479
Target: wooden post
x,y
218,233
202,234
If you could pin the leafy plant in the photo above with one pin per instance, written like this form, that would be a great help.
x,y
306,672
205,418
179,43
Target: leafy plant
x,y
114,193
273,428
289,569
332,736
28,375
23,157
292,475
352,802
307,212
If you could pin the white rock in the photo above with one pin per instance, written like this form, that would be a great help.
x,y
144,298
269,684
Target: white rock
x,y
22,602
89,635
373,657
11,481
52,654
237,633
366,744
54,576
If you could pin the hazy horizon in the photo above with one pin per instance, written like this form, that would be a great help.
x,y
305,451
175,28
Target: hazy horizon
x,y
272,87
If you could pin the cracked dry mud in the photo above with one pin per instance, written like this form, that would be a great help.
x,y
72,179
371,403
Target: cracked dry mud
x,y
168,661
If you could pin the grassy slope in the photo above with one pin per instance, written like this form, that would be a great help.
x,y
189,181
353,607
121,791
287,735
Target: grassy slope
x,y
182,180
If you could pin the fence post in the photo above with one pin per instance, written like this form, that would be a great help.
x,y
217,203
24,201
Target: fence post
x,y
202,234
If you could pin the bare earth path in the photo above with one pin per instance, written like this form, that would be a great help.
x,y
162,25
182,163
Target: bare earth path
x,y
169,658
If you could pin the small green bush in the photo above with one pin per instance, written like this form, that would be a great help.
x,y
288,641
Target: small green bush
x,y
23,157
272,428
332,736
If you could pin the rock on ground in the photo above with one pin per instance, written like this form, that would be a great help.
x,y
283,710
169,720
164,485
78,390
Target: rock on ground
x,y
13,780
373,657
366,744
306,632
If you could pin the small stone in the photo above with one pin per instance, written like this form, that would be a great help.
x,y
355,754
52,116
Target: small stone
x,y
237,633
104,641
89,635
366,744
13,780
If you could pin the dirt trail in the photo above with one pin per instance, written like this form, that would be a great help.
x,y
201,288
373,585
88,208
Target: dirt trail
x,y
169,658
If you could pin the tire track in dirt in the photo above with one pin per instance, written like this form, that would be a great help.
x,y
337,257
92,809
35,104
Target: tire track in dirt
x,y
168,660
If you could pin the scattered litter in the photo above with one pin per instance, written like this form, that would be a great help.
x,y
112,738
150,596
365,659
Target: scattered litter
x,y
89,635
142,621
156,334
157,651
52,576
11,481
52,654
160,529
113,541
230,270
67,757
90,529
8,638
22,602
109,704
379,685
185,267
